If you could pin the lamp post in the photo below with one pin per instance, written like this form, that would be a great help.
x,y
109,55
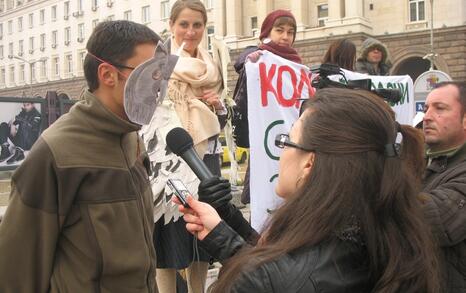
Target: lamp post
x,y
431,56
31,63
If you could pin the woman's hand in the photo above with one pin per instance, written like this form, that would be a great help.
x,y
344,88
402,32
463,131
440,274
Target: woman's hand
x,y
254,56
211,98
200,218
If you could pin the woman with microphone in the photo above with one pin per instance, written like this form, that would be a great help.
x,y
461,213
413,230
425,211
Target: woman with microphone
x,y
350,221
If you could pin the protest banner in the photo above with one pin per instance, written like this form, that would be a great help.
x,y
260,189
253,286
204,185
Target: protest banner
x,y
275,86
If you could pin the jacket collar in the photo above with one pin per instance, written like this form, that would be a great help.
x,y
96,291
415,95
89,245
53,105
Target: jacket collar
x,y
440,163
100,118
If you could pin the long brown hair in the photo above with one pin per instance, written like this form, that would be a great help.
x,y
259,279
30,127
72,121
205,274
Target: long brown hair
x,y
352,177
342,53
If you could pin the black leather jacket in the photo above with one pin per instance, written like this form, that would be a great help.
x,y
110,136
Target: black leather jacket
x,y
333,266
28,128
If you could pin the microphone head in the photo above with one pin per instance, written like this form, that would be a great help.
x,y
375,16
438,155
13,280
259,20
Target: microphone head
x,y
179,140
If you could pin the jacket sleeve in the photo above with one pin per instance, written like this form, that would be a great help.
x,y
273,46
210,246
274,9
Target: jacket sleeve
x,y
445,209
223,242
234,218
29,230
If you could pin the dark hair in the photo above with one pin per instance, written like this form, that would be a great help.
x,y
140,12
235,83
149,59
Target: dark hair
x,y
461,86
342,53
114,42
195,5
352,178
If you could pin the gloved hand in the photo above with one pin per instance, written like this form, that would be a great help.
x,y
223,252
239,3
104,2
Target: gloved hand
x,y
215,191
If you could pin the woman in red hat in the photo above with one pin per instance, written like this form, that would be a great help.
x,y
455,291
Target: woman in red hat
x,y
278,33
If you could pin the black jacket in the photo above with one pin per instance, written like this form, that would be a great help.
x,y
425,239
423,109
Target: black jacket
x,y
28,128
333,266
445,210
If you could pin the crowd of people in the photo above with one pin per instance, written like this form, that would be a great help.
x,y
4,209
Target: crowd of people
x,y
362,210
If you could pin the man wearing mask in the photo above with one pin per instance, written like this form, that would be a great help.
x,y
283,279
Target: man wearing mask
x,y
80,211
444,127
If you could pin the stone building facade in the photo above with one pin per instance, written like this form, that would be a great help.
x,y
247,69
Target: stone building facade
x,y
403,25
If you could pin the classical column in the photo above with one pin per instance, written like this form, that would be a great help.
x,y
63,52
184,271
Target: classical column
x,y
264,7
234,19
300,9
354,8
334,10
220,17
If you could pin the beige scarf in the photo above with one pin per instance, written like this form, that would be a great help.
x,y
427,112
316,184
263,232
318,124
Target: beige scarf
x,y
190,78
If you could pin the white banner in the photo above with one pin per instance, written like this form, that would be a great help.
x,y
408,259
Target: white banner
x,y
274,87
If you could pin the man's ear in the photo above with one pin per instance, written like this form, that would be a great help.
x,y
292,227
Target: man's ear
x,y
106,75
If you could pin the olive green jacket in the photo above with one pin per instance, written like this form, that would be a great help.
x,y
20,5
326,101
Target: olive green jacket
x,y
80,211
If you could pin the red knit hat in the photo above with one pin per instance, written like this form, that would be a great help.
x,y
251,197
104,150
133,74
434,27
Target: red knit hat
x,y
270,19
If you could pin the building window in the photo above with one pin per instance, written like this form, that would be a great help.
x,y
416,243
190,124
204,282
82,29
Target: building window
x,y
145,17
12,75
10,4
110,17
210,35
322,14
21,73
95,4
209,4
69,64
95,22
56,66
79,5
417,10
43,69
164,9
66,10
53,13
67,35
127,15
1,31
20,24
2,76
80,32
82,56
10,50
54,39
20,47
10,27
31,45
1,52
42,42
42,16
31,20
33,72
254,28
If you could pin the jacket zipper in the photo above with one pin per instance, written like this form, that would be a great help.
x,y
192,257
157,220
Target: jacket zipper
x,y
142,211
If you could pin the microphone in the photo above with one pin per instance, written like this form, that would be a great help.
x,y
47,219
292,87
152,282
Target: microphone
x,y
181,144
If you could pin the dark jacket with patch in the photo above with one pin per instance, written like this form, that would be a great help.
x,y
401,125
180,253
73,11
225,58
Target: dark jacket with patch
x,y
80,212
445,209
332,266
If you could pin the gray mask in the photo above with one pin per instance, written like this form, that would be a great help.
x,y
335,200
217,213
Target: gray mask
x,y
147,85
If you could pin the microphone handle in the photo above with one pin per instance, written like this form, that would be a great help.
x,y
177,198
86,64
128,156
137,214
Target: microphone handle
x,y
196,164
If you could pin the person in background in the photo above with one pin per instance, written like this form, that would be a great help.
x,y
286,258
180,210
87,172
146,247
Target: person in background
x,y
444,188
335,232
80,212
23,132
341,52
278,33
373,58
193,94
